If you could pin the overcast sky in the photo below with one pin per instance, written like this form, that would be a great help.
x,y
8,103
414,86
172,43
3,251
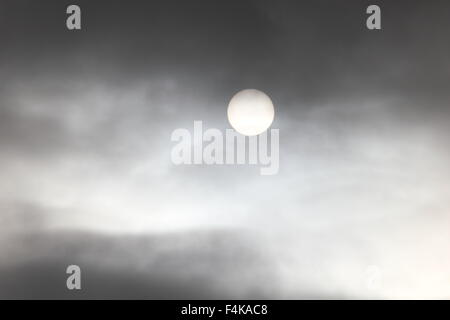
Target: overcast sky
x,y
360,207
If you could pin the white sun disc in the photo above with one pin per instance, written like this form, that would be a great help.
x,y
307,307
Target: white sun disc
x,y
250,112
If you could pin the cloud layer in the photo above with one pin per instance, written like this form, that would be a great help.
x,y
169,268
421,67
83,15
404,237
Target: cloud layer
x,y
86,176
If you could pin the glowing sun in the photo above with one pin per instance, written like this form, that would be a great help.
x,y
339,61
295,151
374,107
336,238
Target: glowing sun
x,y
250,112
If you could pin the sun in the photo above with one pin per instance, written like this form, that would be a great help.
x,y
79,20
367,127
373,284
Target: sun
x,y
250,112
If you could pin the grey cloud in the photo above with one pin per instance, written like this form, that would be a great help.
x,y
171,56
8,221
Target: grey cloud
x,y
191,266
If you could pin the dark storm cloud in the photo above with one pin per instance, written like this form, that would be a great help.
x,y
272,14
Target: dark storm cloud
x,y
184,265
301,52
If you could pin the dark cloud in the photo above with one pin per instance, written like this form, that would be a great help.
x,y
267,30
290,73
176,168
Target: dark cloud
x,y
200,265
